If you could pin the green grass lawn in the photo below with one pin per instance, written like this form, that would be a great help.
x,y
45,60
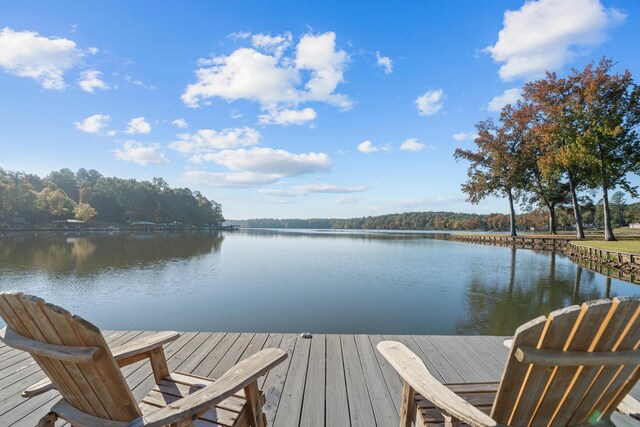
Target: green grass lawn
x,y
625,245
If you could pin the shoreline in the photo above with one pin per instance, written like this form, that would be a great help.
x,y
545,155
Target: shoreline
x,y
621,265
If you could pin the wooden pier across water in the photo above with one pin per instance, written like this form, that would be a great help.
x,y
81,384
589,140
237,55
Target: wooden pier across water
x,y
328,380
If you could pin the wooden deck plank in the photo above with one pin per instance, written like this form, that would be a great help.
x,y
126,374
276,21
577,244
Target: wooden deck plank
x,y
232,356
360,409
290,406
471,354
313,405
336,403
255,345
383,407
437,364
275,380
215,355
328,380
391,377
478,348
460,362
207,342
273,341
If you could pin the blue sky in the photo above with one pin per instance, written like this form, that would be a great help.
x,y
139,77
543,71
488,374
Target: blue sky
x,y
285,109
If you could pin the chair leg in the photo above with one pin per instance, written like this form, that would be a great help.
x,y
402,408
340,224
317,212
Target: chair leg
x,y
451,421
252,394
158,364
48,420
408,408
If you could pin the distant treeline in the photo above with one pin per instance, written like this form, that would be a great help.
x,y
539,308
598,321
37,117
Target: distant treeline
x,y
593,214
87,194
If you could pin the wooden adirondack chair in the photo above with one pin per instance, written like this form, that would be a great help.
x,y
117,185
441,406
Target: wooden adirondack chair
x,y
571,368
86,372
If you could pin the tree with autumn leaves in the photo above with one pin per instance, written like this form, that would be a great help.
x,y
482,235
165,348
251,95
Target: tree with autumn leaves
x,y
496,166
565,136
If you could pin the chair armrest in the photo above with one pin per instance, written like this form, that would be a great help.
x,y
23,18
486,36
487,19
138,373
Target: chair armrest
x,y
64,410
125,354
138,349
629,406
416,374
235,379
42,386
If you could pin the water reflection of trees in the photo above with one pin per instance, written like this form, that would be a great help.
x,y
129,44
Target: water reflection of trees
x,y
495,309
92,253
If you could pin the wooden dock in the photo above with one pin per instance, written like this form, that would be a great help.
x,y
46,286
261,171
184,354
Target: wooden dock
x,y
329,380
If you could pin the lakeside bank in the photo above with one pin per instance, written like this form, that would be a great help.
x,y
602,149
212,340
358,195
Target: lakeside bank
x,y
619,264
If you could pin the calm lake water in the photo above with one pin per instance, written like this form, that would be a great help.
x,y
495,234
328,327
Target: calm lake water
x,y
295,281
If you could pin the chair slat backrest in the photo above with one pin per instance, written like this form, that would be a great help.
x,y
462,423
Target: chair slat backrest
x,y
95,387
535,395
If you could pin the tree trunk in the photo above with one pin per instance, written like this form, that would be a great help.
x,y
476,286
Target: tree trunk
x,y
552,219
576,207
576,283
512,215
512,276
608,230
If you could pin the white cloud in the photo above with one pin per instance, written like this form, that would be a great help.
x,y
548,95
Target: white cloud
x,y
93,124
90,81
412,144
384,62
319,55
132,151
111,133
288,117
239,35
205,140
275,45
226,179
430,103
547,34
127,78
236,114
44,59
93,50
268,161
259,166
303,190
367,147
245,74
270,77
329,188
509,96
347,199
138,125
465,136
181,123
